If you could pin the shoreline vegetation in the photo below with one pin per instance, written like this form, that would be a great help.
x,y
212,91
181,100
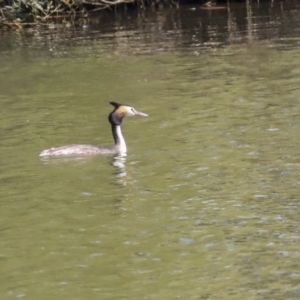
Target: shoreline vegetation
x,y
19,13
23,13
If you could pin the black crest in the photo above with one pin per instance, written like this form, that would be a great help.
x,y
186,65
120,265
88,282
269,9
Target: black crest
x,y
115,104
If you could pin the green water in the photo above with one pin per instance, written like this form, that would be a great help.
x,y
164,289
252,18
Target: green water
x,y
205,205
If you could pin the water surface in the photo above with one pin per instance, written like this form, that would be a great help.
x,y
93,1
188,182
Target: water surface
x,y
204,206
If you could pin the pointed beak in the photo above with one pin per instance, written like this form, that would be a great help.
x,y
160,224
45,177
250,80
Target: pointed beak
x,y
138,113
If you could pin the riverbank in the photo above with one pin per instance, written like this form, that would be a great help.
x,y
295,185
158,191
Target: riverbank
x,y
27,12
22,13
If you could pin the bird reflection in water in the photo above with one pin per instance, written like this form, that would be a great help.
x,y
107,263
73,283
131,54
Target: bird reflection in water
x,y
118,161
123,172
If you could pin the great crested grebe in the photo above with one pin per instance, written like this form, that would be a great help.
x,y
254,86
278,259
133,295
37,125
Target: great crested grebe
x,y
115,118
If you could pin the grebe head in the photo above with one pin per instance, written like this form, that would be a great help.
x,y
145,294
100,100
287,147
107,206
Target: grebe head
x,y
121,111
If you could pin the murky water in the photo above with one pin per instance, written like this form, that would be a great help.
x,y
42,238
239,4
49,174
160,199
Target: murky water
x,y
205,205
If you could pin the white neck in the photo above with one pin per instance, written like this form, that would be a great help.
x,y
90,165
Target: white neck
x,y
120,140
